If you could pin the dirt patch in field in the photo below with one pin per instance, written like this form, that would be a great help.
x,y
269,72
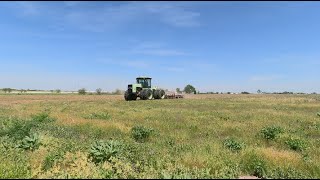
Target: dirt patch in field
x,y
248,177
26,99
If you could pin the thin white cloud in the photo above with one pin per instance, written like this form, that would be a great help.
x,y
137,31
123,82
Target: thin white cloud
x,y
266,78
292,59
71,3
128,63
175,69
28,8
136,64
107,15
160,52
174,14
158,49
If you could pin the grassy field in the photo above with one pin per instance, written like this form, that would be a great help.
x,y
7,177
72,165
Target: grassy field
x,y
201,136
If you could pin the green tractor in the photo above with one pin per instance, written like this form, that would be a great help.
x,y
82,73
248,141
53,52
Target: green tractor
x,y
144,90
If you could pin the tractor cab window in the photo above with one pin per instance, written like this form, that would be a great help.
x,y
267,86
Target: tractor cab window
x,y
146,83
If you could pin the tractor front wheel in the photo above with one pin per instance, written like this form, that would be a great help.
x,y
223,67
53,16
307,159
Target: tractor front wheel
x,y
129,96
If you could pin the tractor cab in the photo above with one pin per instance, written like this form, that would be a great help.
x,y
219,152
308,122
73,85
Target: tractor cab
x,y
144,81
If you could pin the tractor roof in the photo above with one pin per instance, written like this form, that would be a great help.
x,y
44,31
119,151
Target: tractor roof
x,y
143,77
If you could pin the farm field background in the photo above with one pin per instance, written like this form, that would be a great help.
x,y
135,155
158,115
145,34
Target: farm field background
x,y
201,136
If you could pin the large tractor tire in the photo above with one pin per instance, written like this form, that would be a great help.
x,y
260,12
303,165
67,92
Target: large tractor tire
x,y
129,96
156,94
146,94
134,97
159,94
162,94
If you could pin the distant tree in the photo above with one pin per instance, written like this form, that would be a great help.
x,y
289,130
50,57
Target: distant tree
x,y
314,93
22,90
245,92
58,91
118,92
98,91
259,91
82,91
228,92
7,90
51,91
178,90
189,89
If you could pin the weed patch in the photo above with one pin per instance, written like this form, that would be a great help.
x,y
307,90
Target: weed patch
x,y
141,133
42,118
105,116
296,144
31,142
271,132
101,151
233,145
255,165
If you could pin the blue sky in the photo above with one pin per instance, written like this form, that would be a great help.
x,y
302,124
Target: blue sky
x,y
215,46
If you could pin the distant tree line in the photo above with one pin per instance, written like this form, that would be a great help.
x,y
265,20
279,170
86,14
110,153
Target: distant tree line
x,y
284,92
7,90
189,89
98,91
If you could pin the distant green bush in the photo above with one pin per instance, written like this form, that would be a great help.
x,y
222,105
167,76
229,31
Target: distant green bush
x,y
98,91
296,144
141,133
271,132
233,145
82,91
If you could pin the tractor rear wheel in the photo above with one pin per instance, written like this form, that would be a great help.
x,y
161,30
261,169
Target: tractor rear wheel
x,y
146,94
159,94
156,94
162,94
